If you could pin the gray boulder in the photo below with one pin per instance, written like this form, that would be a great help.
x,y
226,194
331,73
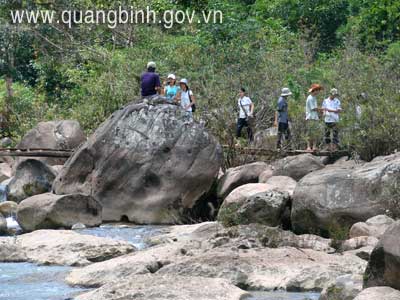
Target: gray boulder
x,y
66,134
340,196
298,166
253,203
384,265
147,163
238,176
32,177
375,227
49,211
381,292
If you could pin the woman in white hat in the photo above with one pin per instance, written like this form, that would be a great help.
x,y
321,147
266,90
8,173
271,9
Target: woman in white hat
x,y
186,98
170,88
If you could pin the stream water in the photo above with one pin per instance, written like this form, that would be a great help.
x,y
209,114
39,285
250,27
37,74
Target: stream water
x,y
25,281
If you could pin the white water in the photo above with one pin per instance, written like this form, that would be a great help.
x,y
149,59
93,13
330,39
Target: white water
x,y
12,224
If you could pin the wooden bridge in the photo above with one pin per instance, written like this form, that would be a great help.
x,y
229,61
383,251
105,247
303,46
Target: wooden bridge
x,y
267,153
275,154
32,152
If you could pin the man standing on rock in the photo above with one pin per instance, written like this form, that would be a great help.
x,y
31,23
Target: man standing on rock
x,y
150,81
282,117
332,108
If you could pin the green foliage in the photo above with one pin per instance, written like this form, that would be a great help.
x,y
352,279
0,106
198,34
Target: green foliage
x,y
377,24
338,233
229,216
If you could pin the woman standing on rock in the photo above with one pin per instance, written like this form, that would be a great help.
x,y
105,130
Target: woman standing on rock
x,y
186,98
170,90
312,118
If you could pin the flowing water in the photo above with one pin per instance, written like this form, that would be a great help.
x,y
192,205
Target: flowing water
x,y
25,281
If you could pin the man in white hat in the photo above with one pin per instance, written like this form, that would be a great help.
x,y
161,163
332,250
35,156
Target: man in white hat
x,y
150,81
332,109
282,117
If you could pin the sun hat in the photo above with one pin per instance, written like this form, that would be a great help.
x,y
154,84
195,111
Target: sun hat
x,y
151,64
286,92
315,87
334,92
184,81
171,76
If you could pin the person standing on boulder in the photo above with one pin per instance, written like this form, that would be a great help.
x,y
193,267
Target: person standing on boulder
x,y
170,88
312,118
282,117
186,98
246,110
332,108
150,81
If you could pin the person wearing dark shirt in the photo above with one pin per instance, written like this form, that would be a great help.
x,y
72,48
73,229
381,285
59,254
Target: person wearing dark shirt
x,y
282,117
150,81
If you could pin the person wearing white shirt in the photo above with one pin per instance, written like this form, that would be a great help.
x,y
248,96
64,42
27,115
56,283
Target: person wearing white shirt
x,y
332,109
312,118
186,98
246,110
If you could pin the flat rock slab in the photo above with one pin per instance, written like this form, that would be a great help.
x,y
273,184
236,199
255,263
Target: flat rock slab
x,y
61,247
269,269
156,287
257,268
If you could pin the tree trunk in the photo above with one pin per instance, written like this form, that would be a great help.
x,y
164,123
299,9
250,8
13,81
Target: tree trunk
x,y
9,87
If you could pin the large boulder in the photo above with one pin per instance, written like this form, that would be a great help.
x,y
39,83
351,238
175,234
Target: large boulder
x,y
340,196
381,292
49,211
253,203
61,247
297,166
147,164
238,176
60,135
158,287
384,264
375,227
32,177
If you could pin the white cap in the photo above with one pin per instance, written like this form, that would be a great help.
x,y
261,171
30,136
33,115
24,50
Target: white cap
x,y
151,64
286,92
334,92
184,80
171,76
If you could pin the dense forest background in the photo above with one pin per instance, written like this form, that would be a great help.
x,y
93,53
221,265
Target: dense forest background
x,y
53,72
